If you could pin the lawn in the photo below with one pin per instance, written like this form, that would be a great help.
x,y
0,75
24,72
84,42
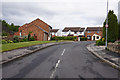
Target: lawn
x,y
11,46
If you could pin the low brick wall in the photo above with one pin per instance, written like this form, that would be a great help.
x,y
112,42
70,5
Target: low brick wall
x,y
115,47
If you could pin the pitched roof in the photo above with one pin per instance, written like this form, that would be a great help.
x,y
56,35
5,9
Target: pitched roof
x,y
74,29
33,23
94,29
54,30
82,29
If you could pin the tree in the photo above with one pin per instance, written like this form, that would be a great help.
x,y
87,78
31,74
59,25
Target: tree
x,y
12,27
119,31
29,35
112,34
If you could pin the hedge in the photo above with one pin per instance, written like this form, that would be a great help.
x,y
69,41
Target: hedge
x,y
100,42
83,39
64,38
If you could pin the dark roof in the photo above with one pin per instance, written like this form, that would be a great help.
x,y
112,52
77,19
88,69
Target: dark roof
x,y
54,30
74,29
82,29
94,29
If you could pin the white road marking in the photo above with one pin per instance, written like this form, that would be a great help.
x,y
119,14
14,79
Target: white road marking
x,y
63,52
52,75
57,64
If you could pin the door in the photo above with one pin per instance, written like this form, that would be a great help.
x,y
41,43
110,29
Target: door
x,y
45,37
93,37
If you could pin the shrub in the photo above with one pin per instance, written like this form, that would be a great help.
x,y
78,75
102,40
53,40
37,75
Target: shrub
x,y
4,33
99,42
83,39
4,42
9,41
64,38
29,35
16,39
21,40
25,39
32,38
103,39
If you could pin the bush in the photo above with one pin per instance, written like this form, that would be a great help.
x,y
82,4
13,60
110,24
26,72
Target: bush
x,y
103,39
32,38
4,33
99,42
16,39
29,35
25,39
83,39
4,42
9,41
22,40
64,38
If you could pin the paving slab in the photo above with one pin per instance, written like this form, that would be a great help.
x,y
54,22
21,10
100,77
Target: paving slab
x,y
111,58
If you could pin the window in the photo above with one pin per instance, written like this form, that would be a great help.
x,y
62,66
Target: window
x,y
89,37
20,34
97,31
97,37
89,32
75,32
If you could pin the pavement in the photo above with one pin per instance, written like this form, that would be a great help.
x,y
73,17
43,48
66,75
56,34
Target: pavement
x,y
109,57
72,60
17,53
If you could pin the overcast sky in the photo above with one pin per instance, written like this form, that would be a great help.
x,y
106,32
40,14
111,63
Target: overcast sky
x,y
58,13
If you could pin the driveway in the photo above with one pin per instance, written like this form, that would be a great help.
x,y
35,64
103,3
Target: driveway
x,y
71,60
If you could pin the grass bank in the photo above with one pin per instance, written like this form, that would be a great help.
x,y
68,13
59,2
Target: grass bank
x,y
11,46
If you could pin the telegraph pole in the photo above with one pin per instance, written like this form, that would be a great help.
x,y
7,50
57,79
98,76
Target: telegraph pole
x,y
106,24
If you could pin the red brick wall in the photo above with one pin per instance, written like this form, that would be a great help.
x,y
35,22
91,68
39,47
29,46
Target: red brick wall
x,y
35,30
92,33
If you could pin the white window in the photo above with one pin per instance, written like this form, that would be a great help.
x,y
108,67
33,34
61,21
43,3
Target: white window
x,y
20,34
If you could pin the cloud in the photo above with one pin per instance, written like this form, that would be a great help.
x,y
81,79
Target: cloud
x,y
57,13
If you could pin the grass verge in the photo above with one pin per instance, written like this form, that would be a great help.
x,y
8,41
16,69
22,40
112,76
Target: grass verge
x,y
11,46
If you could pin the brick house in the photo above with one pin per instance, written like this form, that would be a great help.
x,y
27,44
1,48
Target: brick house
x,y
93,33
54,32
40,30
73,31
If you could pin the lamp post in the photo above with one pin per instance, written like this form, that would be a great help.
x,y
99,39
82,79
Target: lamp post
x,y
107,24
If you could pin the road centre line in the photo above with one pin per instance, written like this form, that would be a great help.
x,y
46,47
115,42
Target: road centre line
x,y
57,64
52,75
63,52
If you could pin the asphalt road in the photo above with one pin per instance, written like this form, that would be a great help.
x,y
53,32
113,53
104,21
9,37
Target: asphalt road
x,y
71,60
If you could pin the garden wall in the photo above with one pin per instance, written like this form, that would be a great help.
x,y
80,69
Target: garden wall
x,y
115,47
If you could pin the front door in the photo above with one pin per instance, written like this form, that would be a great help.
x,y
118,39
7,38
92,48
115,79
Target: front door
x,y
93,37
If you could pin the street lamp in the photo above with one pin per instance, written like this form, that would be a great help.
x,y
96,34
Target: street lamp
x,y
107,24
